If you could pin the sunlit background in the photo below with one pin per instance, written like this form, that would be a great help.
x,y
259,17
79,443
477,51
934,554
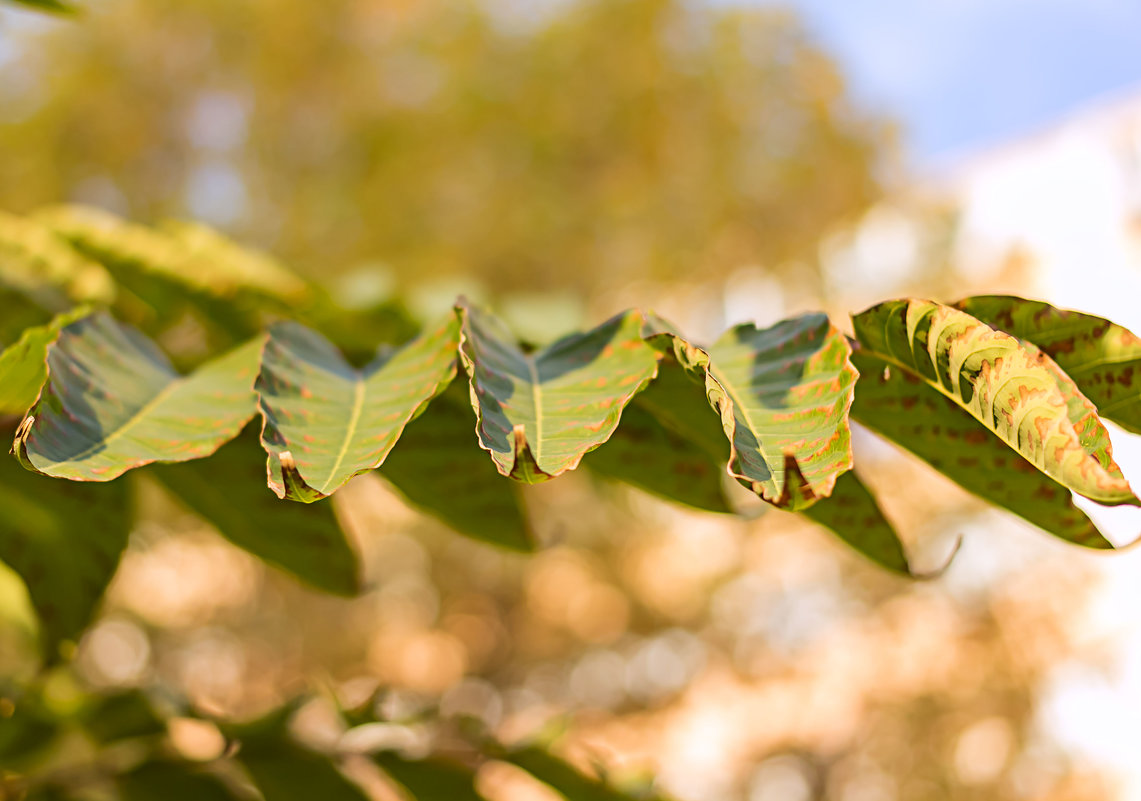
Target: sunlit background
x,y
718,162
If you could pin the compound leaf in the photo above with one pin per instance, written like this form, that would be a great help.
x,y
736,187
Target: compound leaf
x,y
540,413
113,402
326,421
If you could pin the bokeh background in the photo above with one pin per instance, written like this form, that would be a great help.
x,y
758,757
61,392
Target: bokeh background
x,y
562,160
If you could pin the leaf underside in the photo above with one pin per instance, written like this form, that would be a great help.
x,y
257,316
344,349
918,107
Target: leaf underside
x,y
325,421
112,402
540,413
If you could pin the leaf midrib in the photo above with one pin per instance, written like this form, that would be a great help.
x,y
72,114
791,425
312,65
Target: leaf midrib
x,y
536,401
350,431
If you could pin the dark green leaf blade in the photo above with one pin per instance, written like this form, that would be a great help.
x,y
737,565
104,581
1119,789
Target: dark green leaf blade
x,y
228,491
325,421
852,514
1101,357
540,413
901,407
172,781
121,716
569,781
64,540
431,779
285,771
1018,395
112,402
437,466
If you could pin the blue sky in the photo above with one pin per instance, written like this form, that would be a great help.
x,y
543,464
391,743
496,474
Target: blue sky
x,y
962,73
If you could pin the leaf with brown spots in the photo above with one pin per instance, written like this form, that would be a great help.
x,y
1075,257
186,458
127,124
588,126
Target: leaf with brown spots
x,y
326,421
112,402
782,394
1102,358
64,540
540,413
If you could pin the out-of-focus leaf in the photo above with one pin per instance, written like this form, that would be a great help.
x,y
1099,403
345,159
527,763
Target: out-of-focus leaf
x,y
326,421
1018,395
186,253
783,395
64,540
284,771
24,366
172,781
54,6
113,402
430,779
437,467
646,454
228,491
851,512
571,783
35,260
26,726
899,406
1101,357
120,716
540,413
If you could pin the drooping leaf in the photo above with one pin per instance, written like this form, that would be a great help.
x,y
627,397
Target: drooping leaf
x,y
24,367
783,395
172,781
1101,357
851,512
228,491
438,468
431,779
326,421
540,413
120,716
1017,394
113,402
901,407
646,454
64,540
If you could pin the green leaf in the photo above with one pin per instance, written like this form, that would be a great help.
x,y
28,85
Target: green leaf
x,y
571,783
1017,394
540,413
438,468
26,725
431,779
40,263
1101,357
851,512
188,254
228,491
783,395
120,716
172,781
64,540
646,454
24,367
113,402
901,407
284,771
326,421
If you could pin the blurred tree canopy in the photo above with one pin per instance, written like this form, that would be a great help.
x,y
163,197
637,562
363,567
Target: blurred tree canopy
x,y
531,146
